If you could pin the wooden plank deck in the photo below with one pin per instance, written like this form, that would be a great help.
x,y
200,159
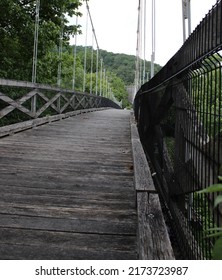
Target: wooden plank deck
x,y
67,190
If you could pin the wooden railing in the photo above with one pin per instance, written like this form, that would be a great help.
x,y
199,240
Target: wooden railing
x,y
152,234
34,104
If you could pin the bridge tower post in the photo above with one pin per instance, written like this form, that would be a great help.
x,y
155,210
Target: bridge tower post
x,y
186,10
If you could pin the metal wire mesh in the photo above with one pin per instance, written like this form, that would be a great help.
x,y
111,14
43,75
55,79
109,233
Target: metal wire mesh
x,y
179,114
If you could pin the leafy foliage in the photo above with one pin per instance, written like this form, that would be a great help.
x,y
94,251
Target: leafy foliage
x,y
123,65
17,23
120,70
206,92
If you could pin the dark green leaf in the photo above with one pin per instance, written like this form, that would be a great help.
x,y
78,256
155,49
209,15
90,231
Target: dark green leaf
x,y
213,188
218,200
213,229
217,234
217,250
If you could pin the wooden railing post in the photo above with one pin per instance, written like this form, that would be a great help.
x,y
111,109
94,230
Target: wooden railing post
x,y
59,104
33,106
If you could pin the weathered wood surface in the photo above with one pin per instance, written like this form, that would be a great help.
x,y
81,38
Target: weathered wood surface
x,y
142,175
67,190
154,242
143,178
153,237
17,127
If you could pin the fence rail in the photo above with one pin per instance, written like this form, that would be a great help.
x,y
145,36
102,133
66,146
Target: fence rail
x,y
179,115
24,101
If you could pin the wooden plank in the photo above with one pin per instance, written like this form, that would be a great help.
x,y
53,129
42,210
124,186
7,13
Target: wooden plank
x,y
132,117
57,181
37,252
22,84
69,102
69,170
67,186
142,175
10,108
48,104
64,201
72,181
67,225
134,132
46,99
118,242
20,244
153,239
79,212
81,102
116,188
12,105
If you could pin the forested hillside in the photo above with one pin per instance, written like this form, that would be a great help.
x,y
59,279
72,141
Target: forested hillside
x,y
120,69
123,65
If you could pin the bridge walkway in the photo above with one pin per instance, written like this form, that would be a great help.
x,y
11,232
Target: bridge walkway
x,y
67,190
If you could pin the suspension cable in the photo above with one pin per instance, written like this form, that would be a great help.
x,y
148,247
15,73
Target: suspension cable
x,y
101,77
85,55
91,75
74,59
138,49
97,70
97,45
141,45
93,29
144,42
59,78
104,82
36,36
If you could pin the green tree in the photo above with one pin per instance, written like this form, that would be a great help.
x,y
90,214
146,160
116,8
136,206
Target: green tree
x,y
17,23
215,232
206,92
119,89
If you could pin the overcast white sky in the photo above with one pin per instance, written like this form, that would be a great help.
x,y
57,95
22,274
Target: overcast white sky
x,y
115,23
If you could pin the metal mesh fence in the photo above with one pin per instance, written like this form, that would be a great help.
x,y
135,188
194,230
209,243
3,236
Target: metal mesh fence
x,y
179,114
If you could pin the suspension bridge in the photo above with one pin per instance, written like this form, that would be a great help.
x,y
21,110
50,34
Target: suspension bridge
x,y
83,179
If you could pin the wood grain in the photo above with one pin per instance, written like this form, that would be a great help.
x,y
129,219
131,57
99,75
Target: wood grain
x,y
67,191
153,238
142,175
154,242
